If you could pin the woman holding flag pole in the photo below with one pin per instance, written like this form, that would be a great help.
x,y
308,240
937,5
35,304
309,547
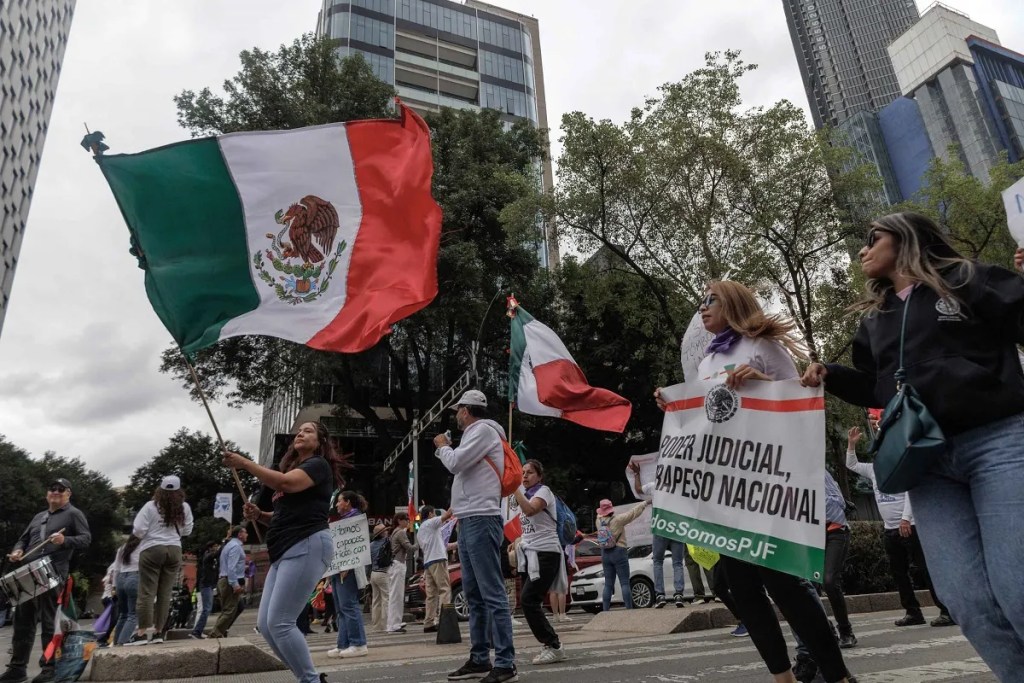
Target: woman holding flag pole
x,y
298,541
750,345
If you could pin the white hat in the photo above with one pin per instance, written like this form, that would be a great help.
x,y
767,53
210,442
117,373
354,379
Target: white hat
x,y
170,483
472,397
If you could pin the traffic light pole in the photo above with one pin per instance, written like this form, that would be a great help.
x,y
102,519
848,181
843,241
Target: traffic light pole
x,y
416,464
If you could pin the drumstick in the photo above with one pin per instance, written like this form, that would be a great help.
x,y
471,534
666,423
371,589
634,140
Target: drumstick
x,y
41,544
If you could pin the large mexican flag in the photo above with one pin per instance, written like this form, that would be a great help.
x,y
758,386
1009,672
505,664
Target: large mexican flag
x,y
323,235
543,379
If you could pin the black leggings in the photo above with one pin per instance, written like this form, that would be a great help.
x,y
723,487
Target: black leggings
x,y
837,544
804,613
533,597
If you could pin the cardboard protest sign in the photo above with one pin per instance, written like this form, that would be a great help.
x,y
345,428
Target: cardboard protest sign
x,y
647,464
1013,200
741,472
693,347
351,537
638,532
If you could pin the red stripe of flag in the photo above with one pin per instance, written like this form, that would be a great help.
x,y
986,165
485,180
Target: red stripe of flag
x,y
792,405
393,271
685,404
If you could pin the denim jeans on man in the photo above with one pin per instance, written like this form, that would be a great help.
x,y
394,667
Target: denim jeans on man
x,y
660,545
345,593
289,584
615,561
490,621
127,586
206,595
968,510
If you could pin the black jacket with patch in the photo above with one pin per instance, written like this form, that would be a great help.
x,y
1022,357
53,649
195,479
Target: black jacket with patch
x,y
960,355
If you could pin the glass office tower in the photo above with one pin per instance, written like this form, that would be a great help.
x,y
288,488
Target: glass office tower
x,y
841,51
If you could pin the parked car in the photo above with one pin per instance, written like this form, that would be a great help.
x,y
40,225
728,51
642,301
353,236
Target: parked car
x,y
587,586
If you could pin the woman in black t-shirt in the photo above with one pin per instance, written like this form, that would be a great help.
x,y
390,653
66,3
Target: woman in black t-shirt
x,y
298,542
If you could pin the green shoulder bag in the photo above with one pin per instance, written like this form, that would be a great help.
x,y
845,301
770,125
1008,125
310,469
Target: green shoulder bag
x,y
909,439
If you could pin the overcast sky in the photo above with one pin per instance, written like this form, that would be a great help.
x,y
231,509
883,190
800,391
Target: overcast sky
x,y
80,347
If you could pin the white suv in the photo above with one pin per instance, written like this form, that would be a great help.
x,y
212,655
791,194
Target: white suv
x,y
587,586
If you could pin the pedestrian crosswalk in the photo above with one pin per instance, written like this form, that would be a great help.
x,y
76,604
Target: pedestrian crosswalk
x,y
886,654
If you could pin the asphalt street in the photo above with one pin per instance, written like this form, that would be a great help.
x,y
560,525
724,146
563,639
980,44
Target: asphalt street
x,y
885,654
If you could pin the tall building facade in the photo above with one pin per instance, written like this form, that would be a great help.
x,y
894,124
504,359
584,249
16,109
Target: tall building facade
x,y
840,47
969,88
464,55
33,35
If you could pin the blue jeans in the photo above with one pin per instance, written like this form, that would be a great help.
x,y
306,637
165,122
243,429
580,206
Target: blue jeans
x,y
968,510
206,593
350,612
285,592
127,587
615,561
490,621
661,544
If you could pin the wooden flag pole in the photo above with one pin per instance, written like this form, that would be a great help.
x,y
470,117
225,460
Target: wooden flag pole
x,y
216,429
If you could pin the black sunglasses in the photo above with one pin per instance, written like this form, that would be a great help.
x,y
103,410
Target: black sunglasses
x,y
57,488
872,237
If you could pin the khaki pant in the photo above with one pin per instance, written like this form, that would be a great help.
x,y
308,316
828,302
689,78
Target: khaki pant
x,y
379,604
228,608
158,570
439,591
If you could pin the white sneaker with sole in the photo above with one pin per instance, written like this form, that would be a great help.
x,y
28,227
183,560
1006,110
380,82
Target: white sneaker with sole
x,y
550,655
353,651
335,652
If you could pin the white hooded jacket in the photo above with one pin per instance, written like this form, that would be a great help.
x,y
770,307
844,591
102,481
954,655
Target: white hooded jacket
x,y
476,491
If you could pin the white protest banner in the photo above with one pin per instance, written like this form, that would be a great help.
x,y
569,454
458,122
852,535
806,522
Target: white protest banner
x,y
647,463
1013,200
351,537
222,507
742,473
693,347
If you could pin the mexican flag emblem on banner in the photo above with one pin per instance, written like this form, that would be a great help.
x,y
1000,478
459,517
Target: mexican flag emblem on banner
x,y
323,235
742,473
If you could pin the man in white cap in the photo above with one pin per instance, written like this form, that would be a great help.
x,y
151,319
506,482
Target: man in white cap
x,y
478,464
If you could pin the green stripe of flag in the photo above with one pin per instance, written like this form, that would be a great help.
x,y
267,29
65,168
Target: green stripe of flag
x,y
775,553
517,347
184,212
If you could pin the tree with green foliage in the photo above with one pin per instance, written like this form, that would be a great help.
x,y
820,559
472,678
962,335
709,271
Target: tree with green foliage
x,y
971,209
195,458
23,482
692,188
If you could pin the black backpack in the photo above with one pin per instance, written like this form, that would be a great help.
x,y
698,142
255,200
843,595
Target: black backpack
x,y
385,556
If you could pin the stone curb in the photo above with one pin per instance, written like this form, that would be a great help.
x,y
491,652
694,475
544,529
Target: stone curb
x,y
181,659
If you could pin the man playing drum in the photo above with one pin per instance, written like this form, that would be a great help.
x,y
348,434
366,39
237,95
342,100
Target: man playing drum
x,y
64,529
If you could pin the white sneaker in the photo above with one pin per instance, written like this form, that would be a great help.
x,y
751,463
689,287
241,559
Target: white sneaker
x,y
550,655
335,652
566,617
354,651
516,622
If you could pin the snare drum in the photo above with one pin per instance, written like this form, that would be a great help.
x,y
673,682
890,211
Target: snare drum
x,y
26,582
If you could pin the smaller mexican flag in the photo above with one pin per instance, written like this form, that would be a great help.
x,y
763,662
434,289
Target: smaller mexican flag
x,y
323,235
545,380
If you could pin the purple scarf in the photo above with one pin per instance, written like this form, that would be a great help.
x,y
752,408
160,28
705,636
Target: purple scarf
x,y
530,492
723,341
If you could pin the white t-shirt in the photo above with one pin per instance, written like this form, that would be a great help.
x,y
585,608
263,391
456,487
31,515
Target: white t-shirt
x,y
894,507
430,541
540,532
764,355
150,527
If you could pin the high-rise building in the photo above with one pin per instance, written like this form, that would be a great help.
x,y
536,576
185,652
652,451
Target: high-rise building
x,y
841,50
969,88
440,53
33,34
